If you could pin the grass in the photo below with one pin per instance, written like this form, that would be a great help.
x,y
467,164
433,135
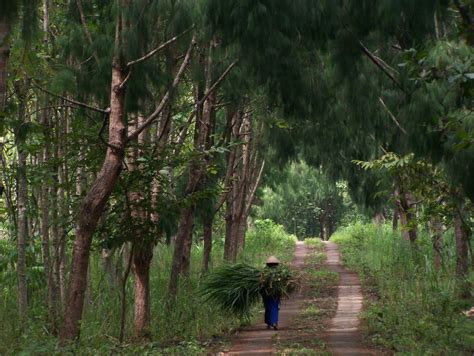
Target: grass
x,y
413,308
189,327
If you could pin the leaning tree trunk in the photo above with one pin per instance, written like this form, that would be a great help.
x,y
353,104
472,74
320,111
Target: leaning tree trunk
x,y
22,201
93,205
197,170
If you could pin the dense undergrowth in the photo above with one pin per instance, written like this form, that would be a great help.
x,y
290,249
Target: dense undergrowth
x,y
186,326
414,309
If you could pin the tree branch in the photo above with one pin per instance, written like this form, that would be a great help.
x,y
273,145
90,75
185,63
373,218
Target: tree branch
x,y
392,116
377,62
157,49
86,29
75,102
167,95
254,189
217,82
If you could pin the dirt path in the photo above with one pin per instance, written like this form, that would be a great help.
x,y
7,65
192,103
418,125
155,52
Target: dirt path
x,y
256,339
343,336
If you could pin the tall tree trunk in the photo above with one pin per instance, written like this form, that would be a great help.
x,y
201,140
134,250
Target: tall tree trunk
x,y
207,222
22,202
45,196
437,228
4,56
395,218
462,247
182,245
93,205
462,234
197,170
143,248
406,215
229,245
141,269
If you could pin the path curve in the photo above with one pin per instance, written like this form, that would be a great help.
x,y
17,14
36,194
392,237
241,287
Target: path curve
x,y
256,339
343,336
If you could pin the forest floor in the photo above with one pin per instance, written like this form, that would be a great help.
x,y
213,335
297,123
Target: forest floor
x,y
321,319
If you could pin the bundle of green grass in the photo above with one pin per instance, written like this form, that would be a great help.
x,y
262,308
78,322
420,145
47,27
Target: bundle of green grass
x,y
237,288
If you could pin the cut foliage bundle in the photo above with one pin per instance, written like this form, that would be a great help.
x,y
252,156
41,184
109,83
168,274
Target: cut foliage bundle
x,y
237,288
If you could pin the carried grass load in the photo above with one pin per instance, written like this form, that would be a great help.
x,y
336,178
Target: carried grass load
x,y
237,288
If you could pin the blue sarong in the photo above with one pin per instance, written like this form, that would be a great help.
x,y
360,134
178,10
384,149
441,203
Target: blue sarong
x,y
271,310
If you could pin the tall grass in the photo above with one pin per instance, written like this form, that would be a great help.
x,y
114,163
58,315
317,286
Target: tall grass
x,y
415,309
183,327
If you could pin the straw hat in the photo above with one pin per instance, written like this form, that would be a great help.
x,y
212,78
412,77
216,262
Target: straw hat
x,y
272,260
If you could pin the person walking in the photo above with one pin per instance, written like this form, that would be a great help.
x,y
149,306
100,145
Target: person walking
x,y
271,302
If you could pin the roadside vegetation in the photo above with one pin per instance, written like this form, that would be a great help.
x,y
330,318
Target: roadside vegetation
x,y
412,307
189,326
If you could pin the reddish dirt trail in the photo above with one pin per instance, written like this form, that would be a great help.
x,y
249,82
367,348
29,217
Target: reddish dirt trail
x,y
256,339
343,336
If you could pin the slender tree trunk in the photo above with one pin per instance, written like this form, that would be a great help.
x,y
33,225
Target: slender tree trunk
x,y
379,218
141,269
4,56
207,222
182,245
45,196
93,205
107,258
143,248
322,231
63,206
395,218
461,236
407,215
22,201
197,171
437,228
228,242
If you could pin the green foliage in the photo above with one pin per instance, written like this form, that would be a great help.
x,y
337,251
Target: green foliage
x,y
184,327
304,200
278,281
235,288
416,309
268,238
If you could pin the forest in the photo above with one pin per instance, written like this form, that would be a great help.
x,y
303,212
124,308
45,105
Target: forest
x,y
147,144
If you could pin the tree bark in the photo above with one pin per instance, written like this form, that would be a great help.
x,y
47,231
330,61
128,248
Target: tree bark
x,y
197,172
5,28
207,222
395,218
462,247
141,269
93,205
437,228
142,246
182,249
406,215
45,196
22,201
